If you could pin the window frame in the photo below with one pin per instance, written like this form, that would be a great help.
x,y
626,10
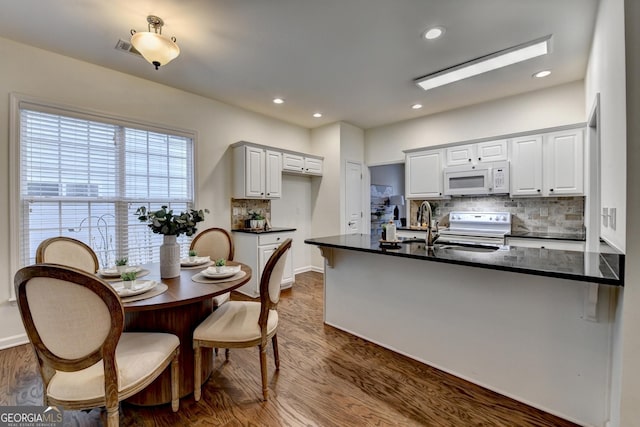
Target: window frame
x,y
19,101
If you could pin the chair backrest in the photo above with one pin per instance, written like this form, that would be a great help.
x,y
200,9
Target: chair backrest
x,y
72,318
215,243
69,252
271,281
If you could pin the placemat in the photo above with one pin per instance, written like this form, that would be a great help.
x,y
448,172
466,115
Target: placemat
x,y
157,290
200,278
139,275
193,267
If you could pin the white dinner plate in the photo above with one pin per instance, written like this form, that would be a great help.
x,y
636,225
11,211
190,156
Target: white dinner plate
x,y
211,273
199,260
113,271
140,287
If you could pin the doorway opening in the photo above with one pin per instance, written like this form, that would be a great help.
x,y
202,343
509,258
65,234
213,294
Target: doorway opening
x,y
387,196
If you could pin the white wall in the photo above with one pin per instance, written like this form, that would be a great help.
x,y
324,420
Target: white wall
x,y
630,369
63,80
325,206
606,75
293,209
559,105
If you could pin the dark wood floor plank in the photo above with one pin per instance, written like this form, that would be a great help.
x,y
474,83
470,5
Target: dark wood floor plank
x,y
326,378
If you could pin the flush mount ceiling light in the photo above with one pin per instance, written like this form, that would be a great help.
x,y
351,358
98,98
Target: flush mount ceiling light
x,y
543,73
153,46
278,101
485,63
433,33
317,115
416,106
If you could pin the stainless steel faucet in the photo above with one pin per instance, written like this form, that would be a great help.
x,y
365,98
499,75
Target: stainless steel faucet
x,y
431,237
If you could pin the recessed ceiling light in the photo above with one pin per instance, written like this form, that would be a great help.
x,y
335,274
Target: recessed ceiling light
x,y
278,100
485,63
433,33
416,106
543,73
317,115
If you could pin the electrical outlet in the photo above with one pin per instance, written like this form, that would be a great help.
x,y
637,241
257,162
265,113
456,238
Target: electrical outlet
x,y
605,217
612,218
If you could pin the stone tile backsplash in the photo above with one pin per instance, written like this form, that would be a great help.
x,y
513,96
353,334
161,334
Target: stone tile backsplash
x,y
537,214
241,208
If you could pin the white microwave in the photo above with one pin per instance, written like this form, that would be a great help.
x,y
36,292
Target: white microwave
x,y
484,178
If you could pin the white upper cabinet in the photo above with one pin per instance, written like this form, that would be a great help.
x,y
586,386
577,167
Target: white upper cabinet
x,y
312,166
564,163
423,174
488,151
526,166
461,154
492,151
298,164
273,183
257,173
550,164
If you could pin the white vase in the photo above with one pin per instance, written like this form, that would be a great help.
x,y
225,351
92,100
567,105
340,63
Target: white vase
x,y
169,258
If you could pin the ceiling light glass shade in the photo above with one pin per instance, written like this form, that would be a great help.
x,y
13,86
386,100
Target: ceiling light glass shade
x,y
433,33
155,48
543,73
486,63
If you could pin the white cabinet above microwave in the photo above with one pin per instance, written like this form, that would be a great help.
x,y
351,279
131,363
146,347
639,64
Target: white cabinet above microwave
x,y
481,152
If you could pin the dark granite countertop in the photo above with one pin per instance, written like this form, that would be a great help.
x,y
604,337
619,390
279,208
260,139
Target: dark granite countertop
x,y
595,267
261,231
578,237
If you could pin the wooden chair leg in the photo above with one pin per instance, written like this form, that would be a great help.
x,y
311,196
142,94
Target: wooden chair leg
x,y
226,353
175,383
197,379
276,355
113,417
263,370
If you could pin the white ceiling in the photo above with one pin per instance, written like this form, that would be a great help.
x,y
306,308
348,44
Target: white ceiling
x,y
352,60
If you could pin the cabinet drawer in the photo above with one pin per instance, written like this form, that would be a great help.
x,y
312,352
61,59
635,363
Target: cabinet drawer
x,y
272,238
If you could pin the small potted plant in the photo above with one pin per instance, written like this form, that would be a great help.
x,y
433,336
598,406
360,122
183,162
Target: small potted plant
x,y
257,220
121,264
192,255
220,263
129,279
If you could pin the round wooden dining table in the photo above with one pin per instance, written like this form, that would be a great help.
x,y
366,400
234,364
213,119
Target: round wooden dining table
x,y
178,311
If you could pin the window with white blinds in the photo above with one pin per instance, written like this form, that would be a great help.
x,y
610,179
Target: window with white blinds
x,y
84,178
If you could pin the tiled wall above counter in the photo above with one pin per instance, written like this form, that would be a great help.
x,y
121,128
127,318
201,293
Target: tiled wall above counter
x,y
537,214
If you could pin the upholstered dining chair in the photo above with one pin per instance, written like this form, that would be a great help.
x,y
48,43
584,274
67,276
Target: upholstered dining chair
x,y
239,324
215,243
74,321
69,252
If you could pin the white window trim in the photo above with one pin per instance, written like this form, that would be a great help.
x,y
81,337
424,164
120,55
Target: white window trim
x,y
18,101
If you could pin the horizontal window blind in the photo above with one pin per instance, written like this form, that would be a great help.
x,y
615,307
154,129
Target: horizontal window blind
x,y
86,178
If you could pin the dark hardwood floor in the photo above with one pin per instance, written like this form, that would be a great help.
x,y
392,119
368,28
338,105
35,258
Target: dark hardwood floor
x,y
326,378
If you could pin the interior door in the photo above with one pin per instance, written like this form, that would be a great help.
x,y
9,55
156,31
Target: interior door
x,y
353,189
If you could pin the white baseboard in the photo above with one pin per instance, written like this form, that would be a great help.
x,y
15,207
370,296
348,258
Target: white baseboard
x,y
13,341
308,268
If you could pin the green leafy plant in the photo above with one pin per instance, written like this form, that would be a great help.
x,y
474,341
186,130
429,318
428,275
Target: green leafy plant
x,y
193,253
128,276
256,215
221,262
163,221
122,261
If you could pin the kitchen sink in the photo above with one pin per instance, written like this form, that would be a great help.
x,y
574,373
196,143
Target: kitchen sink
x,y
467,247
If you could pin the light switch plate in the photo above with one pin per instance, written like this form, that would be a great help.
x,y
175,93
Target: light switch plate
x,y
612,218
605,217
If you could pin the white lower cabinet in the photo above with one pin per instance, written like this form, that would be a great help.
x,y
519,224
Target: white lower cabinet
x,y
254,249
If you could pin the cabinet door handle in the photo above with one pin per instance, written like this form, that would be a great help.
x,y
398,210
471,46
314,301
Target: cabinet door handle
x,y
538,190
551,189
268,194
277,238
262,194
479,158
469,160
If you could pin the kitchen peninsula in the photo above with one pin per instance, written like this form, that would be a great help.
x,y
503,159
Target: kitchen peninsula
x,y
532,324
